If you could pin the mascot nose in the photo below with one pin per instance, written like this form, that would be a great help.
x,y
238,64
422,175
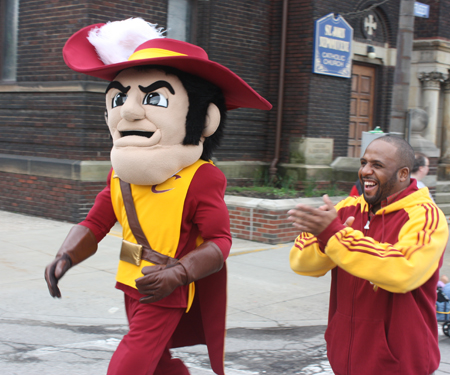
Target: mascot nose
x,y
132,110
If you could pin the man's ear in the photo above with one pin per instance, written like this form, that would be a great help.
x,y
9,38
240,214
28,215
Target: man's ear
x,y
212,120
403,174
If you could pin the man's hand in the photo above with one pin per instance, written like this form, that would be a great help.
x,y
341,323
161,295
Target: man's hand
x,y
349,221
159,281
313,220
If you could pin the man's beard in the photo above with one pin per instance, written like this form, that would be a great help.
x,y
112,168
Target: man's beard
x,y
383,191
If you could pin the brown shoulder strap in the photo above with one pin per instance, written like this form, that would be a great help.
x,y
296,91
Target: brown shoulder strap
x,y
148,253
133,220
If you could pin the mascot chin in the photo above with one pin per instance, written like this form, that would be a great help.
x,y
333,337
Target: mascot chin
x,y
166,105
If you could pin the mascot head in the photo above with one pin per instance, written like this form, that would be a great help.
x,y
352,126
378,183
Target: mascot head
x,y
166,101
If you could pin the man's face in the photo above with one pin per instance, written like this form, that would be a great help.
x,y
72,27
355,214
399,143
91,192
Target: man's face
x,y
423,170
146,115
379,172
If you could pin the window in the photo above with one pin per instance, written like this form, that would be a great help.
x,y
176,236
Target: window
x,y
9,11
180,20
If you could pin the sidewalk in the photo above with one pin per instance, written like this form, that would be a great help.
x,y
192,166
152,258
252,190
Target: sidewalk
x,y
275,318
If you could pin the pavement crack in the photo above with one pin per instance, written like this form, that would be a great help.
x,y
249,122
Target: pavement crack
x,y
89,329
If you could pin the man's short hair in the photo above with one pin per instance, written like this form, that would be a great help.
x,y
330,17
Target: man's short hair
x,y
420,160
405,152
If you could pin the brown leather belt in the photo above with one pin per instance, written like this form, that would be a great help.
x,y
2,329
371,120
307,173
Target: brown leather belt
x,y
154,257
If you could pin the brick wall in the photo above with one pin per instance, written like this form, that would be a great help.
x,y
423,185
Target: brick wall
x,y
332,122
54,125
386,16
234,33
267,226
238,38
60,123
53,198
438,23
299,42
45,26
265,220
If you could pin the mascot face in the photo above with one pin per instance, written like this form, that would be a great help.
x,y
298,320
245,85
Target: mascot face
x,y
147,107
146,115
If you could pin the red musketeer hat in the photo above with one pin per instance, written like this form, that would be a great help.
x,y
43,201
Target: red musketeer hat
x,y
81,56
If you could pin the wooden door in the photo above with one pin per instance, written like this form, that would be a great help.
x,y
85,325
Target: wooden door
x,y
361,106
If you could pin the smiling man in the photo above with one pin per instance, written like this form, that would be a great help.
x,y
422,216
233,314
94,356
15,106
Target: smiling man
x,y
384,249
165,109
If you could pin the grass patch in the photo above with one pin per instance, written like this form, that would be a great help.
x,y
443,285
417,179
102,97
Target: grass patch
x,y
311,190
266,192
282,188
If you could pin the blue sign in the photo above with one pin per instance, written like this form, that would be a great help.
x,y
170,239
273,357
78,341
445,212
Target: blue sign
x,y
333,38
421,10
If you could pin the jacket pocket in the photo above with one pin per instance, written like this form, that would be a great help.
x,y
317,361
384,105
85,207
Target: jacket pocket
x,y
337,337
359,346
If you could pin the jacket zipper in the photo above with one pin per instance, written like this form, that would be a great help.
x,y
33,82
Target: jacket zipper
x,y
349,370
351,329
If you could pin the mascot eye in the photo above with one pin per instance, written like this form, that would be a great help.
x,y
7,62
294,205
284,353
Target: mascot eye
x,y
119,100
153,98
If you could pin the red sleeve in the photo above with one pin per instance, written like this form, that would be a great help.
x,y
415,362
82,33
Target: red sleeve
x,y
334,227
211,215
101,217
354,191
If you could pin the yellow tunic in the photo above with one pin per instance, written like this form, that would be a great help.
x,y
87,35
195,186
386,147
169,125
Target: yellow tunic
x,y
159,209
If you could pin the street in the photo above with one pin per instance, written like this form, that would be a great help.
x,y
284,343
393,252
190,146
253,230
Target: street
x,y
276,319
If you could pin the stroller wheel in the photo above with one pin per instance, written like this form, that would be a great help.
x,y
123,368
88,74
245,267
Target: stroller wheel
x,y
446,328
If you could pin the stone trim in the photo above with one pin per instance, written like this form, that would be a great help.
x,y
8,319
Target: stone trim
x,y
275,204
79,170
55,86
431,45
432,80
386,56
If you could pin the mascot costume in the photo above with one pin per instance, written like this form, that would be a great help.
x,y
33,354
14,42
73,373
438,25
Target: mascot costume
x,y
165,108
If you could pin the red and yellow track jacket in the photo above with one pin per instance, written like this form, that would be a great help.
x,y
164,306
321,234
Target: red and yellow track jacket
x,y
382,317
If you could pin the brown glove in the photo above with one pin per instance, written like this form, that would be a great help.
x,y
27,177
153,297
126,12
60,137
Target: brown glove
x,y
79,245
159,281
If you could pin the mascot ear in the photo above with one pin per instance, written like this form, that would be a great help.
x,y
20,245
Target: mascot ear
x,y
212,120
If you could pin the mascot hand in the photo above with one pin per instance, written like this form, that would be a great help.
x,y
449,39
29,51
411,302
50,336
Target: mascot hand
x,y
159,281
79,245
54,271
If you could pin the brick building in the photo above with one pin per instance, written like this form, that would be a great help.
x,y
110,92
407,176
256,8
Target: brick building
x,y
54,144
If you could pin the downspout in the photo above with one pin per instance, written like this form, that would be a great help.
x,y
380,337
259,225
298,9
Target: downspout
x,y
273,165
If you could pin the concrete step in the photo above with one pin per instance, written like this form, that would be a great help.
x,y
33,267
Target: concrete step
x,y
445,207
442,198
443,187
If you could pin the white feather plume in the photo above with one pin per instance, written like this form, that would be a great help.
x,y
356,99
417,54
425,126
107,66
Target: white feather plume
x,y
116,41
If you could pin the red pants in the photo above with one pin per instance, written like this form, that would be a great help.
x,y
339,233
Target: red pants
x,y
144,350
